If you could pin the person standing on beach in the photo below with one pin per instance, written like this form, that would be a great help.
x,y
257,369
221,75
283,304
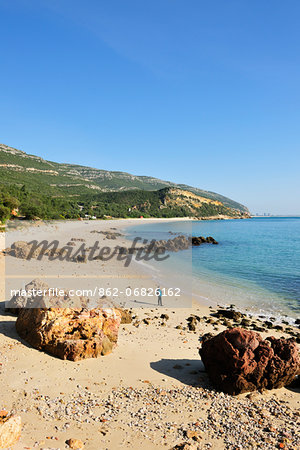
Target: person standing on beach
x,y
159,296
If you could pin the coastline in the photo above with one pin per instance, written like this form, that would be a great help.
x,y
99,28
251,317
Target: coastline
x,y
155,366
139,270
207,292
63,231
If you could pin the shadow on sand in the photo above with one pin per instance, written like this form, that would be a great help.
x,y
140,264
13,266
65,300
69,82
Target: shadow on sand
x,y
8,327
295,385
188,371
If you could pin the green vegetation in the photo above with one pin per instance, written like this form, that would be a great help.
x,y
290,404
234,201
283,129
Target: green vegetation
x,y
136,203
4,213
31,187
31,205
72,181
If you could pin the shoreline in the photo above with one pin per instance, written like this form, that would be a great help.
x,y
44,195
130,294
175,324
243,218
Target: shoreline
x,y
152,390
209,300
140,268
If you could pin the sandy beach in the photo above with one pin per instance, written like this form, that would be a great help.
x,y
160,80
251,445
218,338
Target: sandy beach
x,y
149,225
152,390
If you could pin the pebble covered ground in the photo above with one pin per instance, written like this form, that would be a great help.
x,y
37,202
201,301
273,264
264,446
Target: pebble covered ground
x,y
200,418
186,415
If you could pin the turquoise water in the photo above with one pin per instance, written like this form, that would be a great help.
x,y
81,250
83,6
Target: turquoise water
x,y
256,264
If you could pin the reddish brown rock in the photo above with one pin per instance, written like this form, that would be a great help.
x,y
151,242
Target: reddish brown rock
x,y
69,333
10,429
239,360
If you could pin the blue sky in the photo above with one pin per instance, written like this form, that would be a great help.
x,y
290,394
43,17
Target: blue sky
x,y
197,92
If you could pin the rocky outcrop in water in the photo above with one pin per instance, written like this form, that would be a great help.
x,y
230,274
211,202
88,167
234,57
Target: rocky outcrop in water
x,y
72,334
239,360
202,240
180,242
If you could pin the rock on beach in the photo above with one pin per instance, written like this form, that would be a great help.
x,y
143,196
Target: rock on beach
x,y
72,334
239,360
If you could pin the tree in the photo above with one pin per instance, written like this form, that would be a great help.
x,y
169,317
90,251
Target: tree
x,y
11,202
4,213
30,211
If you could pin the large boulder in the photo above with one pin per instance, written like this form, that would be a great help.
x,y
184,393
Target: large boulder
x,y
70,333
10,429
238,360
38,294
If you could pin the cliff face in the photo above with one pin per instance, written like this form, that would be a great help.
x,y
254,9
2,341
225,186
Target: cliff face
x,y
68,180
184,197
199,206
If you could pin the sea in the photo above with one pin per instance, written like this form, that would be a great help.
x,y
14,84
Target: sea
x,y
255,266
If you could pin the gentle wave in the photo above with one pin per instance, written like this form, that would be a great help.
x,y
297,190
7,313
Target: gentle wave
x,y
255,266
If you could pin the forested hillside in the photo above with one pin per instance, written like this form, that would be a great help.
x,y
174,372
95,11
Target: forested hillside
x,y
67,180
21,202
